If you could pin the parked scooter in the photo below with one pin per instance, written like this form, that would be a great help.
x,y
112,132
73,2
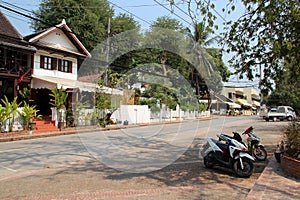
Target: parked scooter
x,y
231,154
255,148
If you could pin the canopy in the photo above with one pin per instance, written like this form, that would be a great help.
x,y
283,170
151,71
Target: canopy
x,y
244,102
233,105
39,82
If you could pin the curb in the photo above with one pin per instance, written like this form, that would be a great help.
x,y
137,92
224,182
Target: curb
x,y
75,130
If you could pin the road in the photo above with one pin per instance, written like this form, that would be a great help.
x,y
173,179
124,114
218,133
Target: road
x,y
149,162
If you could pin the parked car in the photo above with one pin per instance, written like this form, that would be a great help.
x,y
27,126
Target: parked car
x,y
280,113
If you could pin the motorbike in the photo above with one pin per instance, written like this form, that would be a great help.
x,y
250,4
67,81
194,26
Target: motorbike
x,y
255,148
228,152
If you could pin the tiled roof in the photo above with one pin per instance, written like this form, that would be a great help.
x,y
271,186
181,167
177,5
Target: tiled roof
x,y
10,37
7,29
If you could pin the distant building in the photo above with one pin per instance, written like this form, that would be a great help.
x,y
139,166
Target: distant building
x,y
247,97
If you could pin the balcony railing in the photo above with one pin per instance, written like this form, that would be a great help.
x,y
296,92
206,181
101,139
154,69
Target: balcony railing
x,y
14,69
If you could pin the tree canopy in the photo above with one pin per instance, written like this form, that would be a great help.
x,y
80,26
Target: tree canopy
x,y
88,19
266,34
264,41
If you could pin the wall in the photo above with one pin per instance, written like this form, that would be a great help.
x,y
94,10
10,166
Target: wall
x,y
54,73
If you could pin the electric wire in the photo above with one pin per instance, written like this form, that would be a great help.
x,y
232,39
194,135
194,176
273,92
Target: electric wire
x,y
173,12
130,13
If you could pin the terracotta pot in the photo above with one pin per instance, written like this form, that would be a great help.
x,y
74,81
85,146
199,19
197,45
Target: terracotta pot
x,y
291,166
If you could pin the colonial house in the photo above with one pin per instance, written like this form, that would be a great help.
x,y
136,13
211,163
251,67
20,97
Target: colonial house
x,y
223,105
247,97
56,61
16,60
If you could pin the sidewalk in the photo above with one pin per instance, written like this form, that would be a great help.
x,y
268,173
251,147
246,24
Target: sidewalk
x,y
274,184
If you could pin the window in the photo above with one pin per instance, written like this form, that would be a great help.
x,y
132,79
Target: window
x,y
56,64
66,66
46,62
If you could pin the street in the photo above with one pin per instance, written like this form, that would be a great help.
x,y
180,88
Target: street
x,y
148,162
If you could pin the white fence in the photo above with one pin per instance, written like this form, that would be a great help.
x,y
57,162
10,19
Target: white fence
x,y
126,114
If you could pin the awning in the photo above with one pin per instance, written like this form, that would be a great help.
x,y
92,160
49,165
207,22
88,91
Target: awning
x,y
256,103
244,102
233,105
227,101
39,82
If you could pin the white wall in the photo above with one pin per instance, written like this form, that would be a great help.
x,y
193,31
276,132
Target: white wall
x,y
134,114
54,73
58,37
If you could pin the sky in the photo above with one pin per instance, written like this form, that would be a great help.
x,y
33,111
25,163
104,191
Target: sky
x,y
144,12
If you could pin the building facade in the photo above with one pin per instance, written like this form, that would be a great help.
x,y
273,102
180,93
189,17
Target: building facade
x,y
16,60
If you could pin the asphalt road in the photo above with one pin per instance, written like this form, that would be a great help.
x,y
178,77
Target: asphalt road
x,y
150,162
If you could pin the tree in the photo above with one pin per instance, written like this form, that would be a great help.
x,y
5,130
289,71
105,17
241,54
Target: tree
x,y
123,22
287,91
88,19
267,35
161,34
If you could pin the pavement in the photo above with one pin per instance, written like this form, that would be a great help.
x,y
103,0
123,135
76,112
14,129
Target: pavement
x,y
273,183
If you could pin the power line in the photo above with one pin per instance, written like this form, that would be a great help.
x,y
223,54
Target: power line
x,y
16,18
20,13
172,12
129,12
17,7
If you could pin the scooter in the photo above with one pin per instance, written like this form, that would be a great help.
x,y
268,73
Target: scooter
x,y
228,152
256,149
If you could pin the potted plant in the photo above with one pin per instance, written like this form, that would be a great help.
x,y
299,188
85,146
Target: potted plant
x,y
290,149
4,115
11,110
59,100
29,114
279,151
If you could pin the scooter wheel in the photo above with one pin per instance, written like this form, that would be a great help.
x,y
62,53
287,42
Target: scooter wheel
x,y
208,160
259,153
247,170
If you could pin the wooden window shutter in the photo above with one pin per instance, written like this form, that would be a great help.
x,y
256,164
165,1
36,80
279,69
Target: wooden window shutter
x,y
59,64
70,66
42,61
54,63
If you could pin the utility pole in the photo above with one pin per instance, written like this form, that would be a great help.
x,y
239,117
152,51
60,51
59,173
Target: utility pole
x,y
107,52
260,79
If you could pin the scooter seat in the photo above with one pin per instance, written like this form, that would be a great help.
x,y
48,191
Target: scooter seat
x,y
222,145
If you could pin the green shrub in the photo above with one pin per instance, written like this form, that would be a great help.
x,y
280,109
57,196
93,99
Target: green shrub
x,y
292,139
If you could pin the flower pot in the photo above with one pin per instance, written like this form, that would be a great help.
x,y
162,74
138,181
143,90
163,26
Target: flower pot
x,y
291,166
32,125
60,125
277,156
